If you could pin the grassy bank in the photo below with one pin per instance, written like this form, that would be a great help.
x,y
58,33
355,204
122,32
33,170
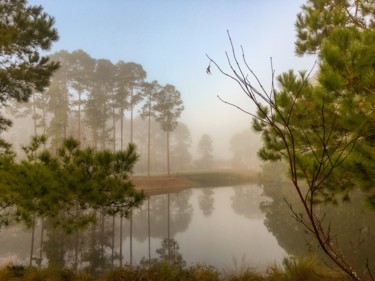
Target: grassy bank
x,y
221,177
306,269
177,182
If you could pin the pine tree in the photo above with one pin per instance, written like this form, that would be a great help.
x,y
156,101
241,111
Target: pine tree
x,y
342,34
169,107
205,150
25,31
322,129
150,91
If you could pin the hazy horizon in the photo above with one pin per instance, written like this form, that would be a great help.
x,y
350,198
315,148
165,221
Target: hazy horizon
x,y
171,40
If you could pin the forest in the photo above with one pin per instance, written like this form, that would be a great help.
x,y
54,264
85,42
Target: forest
x,y
88,126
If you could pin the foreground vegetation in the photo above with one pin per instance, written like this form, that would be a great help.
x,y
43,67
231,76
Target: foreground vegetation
x,y
306,269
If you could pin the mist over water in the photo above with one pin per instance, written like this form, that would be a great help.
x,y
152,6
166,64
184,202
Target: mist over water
x,y
212,226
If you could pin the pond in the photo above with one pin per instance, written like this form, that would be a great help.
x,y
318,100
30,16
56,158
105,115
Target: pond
x,y
221,226
211,225
215,226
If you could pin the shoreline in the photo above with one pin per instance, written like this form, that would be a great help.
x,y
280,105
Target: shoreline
x,y
155,185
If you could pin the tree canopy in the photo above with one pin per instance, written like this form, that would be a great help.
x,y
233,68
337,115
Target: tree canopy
x,y
57,187
336,110
25,32
324,127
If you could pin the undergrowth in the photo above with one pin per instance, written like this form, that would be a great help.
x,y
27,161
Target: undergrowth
x,y
304,269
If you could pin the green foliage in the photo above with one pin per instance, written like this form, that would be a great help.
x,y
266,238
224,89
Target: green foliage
x,y
350,221
25,31
305,269
61,188
324,122
319,18
203,272
168,108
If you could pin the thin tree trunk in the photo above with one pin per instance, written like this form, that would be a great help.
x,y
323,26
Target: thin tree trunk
x,y
103,135
121,241
41,243
131,237
131,115
93,234
62,247
169,230
121,147
168,167
79,116
44,118
76,251
149,229
102,238
66,113
76,244
32,242
122,129
114,126
131,211
113,239
149,139
34,115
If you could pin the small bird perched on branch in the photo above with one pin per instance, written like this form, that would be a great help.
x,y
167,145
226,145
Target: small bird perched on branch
x,y
208,69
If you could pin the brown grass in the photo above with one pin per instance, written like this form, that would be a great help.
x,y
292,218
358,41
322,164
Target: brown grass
x,y
162,184
210,178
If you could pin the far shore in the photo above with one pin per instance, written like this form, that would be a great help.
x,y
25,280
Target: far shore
x,y
163,184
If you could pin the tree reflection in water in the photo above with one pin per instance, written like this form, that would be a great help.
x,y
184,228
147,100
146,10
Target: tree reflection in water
x,y
246,201
181,212
211,225
351,222
206,201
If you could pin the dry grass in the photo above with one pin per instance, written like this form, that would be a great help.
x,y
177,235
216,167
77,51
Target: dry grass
x,y
162,184
304,269
175,183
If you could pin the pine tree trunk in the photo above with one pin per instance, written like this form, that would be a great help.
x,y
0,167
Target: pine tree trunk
x,y
44,118
41,243
131,237
102,239
114,127
32,242
149,228
169,229
34,115
121,241
168,167
113,240
148,149
131,116
79,116
122,129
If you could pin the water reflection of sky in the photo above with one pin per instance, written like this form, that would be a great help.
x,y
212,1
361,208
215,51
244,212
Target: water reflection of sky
x,y
224,235
211,225
229,226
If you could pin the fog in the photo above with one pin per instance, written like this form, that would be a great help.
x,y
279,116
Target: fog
x,y
171,42
150,156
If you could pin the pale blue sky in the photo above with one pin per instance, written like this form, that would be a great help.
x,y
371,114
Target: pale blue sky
x,y
170,39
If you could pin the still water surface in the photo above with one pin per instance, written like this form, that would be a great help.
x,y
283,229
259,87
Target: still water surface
x,y
213,226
